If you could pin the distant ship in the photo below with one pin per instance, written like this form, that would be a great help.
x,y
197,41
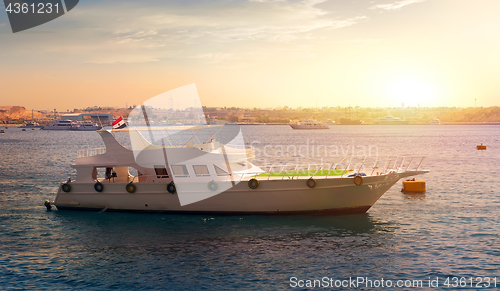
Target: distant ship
x,y
330,122
435,121
309,124
85,126
390,120
347,120
59,124
31,125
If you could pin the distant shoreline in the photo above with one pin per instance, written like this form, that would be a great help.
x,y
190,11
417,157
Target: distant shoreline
x,y
442,123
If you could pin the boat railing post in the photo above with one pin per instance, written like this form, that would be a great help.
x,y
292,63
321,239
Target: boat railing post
x,y
411,161
388,164
318,170
345,169
335,169
326,177
420,164
392,165
395,162
374,167
402,161
362,164
61,178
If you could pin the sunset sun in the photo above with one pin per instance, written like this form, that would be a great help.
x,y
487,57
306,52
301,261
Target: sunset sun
x,y
411,90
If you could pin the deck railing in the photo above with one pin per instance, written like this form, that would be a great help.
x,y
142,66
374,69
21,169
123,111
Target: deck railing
x,y
90,152
94,152
380,166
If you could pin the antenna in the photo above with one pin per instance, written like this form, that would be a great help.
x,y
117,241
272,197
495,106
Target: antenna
x,y
147,122
98,118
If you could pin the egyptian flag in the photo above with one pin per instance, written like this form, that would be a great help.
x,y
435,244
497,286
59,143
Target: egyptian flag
x,y
119,123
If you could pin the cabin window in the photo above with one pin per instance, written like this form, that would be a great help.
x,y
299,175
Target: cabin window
x,y
219,171
180,170
161,172
201,170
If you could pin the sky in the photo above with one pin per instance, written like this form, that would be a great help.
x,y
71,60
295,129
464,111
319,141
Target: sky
x,y
257,53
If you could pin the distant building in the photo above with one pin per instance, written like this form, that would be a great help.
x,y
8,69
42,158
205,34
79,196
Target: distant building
x,y
103,117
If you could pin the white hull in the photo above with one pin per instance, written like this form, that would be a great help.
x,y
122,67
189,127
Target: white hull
x,y
332,196
58,125
56,128
87,128
298,126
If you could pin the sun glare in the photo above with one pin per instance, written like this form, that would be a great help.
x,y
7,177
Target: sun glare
x,y
411,91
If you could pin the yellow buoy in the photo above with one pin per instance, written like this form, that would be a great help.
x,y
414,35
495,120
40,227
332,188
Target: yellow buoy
x,y
481,147
412,186
2,131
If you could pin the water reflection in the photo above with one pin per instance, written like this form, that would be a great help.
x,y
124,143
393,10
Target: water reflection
x,y
414,196
201,234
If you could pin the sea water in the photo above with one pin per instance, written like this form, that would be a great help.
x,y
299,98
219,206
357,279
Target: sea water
x,y
447,238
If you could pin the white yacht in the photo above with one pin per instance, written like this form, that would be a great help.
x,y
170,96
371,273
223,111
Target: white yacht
x,y
330,122
309,124
215,178
165,171
391,120
435,121
59,124
85,126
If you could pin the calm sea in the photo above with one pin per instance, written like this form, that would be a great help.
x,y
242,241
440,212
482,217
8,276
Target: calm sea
x,y
452,231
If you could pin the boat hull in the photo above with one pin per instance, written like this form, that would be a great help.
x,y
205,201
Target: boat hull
x,y
55,128
330,196
297,126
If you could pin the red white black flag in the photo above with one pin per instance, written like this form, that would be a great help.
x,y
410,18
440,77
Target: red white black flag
x,y
119,123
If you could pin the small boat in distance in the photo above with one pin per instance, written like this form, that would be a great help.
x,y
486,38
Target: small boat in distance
x,y
85,126
59,124
330,122
347,120
309,124
31,125
391,120
435,121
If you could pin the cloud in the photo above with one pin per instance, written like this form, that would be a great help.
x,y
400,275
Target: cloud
x,y
221,31
396,5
